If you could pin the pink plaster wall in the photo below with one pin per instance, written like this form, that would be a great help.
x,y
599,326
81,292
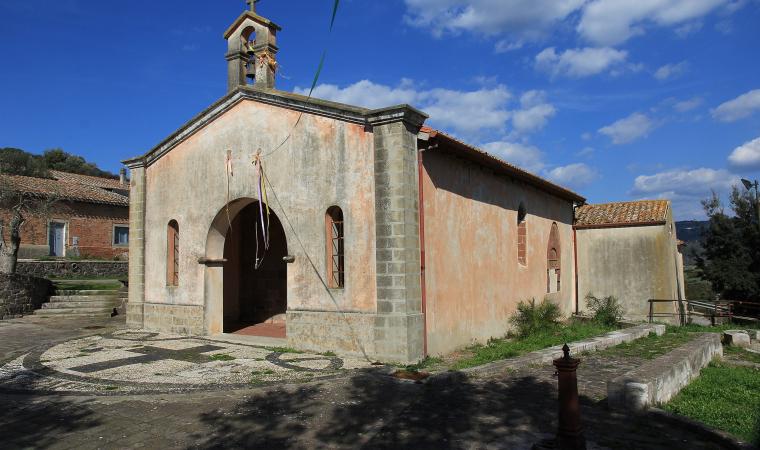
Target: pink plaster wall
x,y
473,278
325,162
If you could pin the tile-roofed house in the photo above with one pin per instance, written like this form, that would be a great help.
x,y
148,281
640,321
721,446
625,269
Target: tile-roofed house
x,y
629,250
641,212
70,187
89,217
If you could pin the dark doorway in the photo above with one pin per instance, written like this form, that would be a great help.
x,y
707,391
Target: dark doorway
x,y
255,299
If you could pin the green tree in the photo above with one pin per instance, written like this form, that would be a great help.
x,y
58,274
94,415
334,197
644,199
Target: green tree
x,y
14,161
731,261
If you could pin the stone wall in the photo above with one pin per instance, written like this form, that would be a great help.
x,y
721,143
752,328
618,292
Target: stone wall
x,y
72,269
22,294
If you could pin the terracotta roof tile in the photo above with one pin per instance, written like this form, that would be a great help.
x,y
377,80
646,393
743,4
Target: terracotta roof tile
x,y
69,187
622,213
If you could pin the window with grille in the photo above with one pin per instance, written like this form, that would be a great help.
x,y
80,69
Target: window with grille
x,y
522,235
172,254
335,247
553,263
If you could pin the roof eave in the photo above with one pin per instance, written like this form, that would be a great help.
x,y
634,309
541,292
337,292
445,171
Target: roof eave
x,y
620,225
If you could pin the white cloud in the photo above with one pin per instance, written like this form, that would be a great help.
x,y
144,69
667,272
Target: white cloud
x,y
738,108
534,112
527,19
504,46
671,70
612,22
685,188
467,112
696,182
688,105
687,29
366,93
463,111
577,63
576,175
629,129
746,156
586,152
525,156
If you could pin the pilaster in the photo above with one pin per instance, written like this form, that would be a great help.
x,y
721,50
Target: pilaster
x,y
135,304
399,325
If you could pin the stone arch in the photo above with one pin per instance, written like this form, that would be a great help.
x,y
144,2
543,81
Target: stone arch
x,y
553,260
214,258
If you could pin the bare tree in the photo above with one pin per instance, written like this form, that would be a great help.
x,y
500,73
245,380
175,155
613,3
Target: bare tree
x,y
21,204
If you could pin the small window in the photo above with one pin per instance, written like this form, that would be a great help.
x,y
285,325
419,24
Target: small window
x,y
335,247
121,235
553,262
172,254
522,235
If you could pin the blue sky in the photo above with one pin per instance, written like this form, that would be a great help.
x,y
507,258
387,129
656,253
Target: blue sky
x,y
616,99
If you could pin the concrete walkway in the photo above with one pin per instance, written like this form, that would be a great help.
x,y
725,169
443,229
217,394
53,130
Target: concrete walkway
x,y
359,408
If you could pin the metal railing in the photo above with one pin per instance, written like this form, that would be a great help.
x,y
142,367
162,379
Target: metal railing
x,y
729,309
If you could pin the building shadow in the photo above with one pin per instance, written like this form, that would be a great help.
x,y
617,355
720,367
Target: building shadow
x,y
40,421
373,411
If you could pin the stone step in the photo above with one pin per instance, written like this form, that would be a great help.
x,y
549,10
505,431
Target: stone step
x,y
83,298
90,310
77,305
89,292
101,315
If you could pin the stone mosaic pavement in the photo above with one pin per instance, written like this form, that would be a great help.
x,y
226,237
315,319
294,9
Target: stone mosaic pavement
x,y
347,409
138,362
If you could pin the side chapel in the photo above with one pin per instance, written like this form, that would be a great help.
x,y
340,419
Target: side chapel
x,y
336,227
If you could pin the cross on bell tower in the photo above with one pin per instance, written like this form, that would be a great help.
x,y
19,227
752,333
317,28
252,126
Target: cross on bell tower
x,y
252,4
251,50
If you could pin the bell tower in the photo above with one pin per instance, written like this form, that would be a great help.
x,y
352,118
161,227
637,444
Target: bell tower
x,y
251,50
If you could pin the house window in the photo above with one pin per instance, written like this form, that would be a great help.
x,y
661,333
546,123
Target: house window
x,y
120,235
335,247
553,261
172,254
522,234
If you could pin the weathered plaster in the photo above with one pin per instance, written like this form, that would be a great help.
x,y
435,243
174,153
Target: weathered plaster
x,y
473,277
634,264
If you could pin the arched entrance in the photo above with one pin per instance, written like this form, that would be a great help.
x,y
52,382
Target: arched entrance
x,y
254,278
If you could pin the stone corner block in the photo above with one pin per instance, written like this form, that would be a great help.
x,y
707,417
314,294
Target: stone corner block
x,y
735,338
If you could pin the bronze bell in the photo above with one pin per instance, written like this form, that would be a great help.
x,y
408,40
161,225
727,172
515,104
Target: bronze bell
x,y
249,48
250,71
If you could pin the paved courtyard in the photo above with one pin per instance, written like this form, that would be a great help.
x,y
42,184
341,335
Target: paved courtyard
x,y
125,389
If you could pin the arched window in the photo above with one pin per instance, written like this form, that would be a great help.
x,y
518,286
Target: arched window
x,y
522,234
335,246
172,253
553,261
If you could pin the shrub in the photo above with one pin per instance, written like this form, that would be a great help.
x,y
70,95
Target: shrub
x,y
607,310
531,318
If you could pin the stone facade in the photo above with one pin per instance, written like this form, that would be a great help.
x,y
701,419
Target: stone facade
x,y
22,294
73,269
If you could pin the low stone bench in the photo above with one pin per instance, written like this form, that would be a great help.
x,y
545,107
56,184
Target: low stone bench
x,y
657,381
547,355
736,338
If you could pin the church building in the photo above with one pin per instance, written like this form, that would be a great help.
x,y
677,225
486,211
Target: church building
x,y
335,227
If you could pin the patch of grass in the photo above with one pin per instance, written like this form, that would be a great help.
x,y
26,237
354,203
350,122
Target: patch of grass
x,y
742,354
499,349
263,372
426,363
112,388
88,286
222,357
723,397
330,354
283,350
650,347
